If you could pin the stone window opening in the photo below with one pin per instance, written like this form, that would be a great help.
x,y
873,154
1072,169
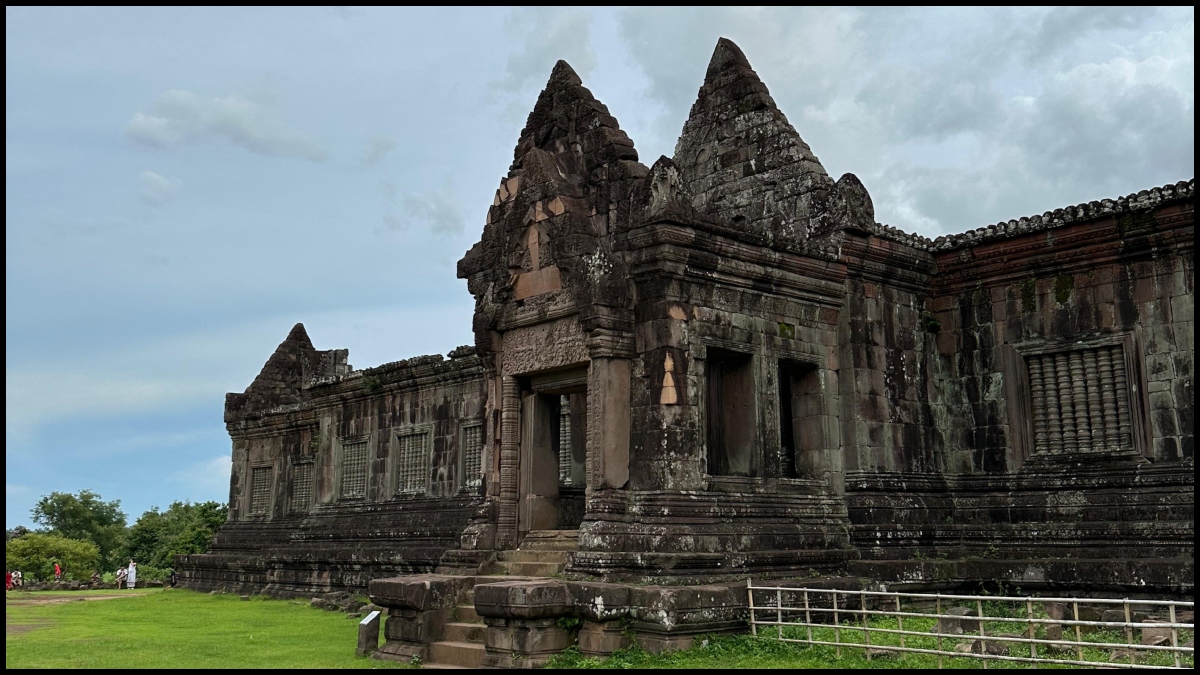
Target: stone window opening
x,y
412,463
354,470
302,488
732,419
1080,401
260,490
472,453
800,408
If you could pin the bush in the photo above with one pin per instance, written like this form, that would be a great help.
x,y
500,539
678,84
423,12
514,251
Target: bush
x,y
35,554
184,528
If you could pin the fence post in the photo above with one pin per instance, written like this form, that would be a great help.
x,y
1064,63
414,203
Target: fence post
x,y
808,618
750,593
1174,636
982,634
900,623
1032,631
939,629
837,627
1078,631
1128,631
866,626
779,613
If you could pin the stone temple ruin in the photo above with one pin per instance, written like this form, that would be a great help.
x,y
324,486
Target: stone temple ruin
x,y
722,367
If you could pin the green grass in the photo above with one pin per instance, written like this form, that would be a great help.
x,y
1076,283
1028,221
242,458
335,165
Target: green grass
x,y
745,651
176,629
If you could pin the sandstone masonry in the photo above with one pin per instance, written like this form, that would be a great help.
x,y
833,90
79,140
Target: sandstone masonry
x,y
721,366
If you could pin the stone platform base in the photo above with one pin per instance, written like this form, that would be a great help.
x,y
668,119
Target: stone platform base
x,y
528,620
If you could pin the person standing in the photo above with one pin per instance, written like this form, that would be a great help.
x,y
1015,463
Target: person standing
x,y
8,581
57,572
18,579
174,579
131,575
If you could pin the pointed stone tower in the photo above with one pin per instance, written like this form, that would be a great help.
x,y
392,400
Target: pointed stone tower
x,y
551,223
745,165
552,295
283,377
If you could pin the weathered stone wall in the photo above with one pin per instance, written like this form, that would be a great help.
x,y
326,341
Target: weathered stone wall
x,y
340,536
1026,508
762,380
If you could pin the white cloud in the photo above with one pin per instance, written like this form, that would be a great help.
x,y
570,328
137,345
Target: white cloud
x,y
206,480
439,209
37,396
377,149
181,116
158,190
544,36
953,118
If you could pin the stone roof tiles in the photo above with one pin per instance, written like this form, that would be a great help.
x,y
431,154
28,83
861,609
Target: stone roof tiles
x,y
1142,200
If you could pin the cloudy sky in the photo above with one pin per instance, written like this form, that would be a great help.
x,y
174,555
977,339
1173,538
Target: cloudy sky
x,y
183,185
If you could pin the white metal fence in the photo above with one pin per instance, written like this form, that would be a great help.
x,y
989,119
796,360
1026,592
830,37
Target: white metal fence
x,y
1120,633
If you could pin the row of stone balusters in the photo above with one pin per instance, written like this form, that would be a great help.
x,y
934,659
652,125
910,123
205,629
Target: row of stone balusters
x,y
1080,401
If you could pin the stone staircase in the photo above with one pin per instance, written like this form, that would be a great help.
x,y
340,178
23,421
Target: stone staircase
x,y
462,646
543,553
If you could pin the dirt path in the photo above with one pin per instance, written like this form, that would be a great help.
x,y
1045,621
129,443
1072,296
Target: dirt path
x,y
60,599
18,628
11,628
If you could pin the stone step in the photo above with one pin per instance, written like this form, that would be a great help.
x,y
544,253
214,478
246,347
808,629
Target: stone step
x,y
464,632
462,654
551,540
535,555
534,569
466,614
444,666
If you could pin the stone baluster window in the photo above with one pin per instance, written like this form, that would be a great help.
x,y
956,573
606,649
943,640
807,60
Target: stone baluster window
x,y
412,464
564,442
1080,401
472,448
302,488
260,490
354,470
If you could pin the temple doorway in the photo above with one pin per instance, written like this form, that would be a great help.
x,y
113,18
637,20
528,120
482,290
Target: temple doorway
x,y
553,451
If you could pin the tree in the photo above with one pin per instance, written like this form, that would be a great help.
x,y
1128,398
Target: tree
x,y
184,528
35,554
86,517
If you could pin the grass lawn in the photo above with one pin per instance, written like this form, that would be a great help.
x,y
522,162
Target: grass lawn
x,y
184,629
174,629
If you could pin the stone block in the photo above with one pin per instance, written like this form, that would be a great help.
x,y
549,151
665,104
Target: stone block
x,y
523,599
523,643
1118,616
599,602
992,647
958,621
420,592
602,638
1154,635
412,626
368,634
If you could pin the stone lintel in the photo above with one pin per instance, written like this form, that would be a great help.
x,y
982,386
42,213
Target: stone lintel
x,y
420,592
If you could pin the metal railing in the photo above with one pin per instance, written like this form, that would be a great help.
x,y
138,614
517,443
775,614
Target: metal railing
x,y
1064,631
